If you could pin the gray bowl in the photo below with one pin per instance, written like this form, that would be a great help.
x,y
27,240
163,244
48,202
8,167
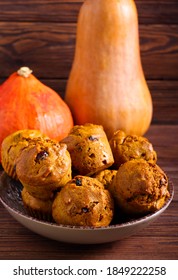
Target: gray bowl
x,y
10,196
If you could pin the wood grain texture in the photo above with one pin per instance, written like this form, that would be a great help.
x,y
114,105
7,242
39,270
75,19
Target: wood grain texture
x,y
67,11
158,241
49,49
165,101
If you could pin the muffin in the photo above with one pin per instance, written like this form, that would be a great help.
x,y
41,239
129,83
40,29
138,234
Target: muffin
x,y
37,208
89,149
83,201
126,147
12,146
140,187
44,168
106,177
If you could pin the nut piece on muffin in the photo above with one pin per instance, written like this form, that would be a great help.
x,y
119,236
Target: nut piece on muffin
x,y
83,201
127,147
44,168
12,146
89,149
36,207
140,187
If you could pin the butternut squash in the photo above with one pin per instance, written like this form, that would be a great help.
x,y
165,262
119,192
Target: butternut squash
x,y
106,84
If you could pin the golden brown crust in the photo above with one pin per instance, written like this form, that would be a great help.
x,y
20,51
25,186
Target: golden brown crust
x,y
127,147
105,177
14,144
36,203
44,168
37,208
140,187
89,149
83,202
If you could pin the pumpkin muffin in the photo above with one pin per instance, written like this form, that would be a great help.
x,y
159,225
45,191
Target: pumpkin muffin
x,y
126,147
14,144
37,208
44,168
89,149
106,177
83,201
140,187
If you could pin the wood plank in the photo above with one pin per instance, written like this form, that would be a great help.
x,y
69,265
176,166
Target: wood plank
x,y
49,49
165,101
159,51
38,11
161,11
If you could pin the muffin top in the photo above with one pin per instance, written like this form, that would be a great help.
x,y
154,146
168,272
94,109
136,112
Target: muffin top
x,y
140,186
90,133
18,140
80,132
13,144
89,149
83,201
45,164
127,147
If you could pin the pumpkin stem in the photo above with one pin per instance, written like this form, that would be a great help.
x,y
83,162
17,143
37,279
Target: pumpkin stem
x,y
24,72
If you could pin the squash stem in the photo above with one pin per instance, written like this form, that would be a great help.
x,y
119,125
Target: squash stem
x,y
24,72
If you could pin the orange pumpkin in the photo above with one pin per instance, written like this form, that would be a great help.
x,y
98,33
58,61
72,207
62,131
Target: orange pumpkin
x,y
106,85
26,103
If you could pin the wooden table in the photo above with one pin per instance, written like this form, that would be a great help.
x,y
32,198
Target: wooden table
x,y
158,241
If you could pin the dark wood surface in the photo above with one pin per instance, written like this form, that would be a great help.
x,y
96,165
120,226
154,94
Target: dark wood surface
x,y
150,11
158,241
48,48
41,34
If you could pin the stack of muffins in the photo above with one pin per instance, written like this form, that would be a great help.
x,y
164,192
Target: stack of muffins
x,y
140,185
42,165
86,179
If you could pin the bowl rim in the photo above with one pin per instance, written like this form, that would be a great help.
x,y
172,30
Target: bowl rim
x,y
133,221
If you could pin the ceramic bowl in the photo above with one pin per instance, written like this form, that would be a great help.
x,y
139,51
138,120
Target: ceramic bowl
x,y
10,196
